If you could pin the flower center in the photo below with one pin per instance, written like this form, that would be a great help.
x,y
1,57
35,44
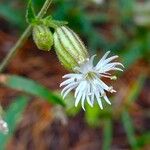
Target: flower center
x,y
90,75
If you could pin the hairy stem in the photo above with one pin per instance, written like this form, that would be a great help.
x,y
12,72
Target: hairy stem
x,y
23,37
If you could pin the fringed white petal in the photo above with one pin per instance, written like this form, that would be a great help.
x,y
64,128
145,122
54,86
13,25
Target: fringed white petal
x,y
102,59
67,82
87,81
83,100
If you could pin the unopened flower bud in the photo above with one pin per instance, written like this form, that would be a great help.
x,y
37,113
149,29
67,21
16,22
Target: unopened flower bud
x,y
42,37
69,48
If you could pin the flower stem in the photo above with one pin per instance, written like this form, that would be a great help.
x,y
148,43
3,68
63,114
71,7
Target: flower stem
x,y
23,37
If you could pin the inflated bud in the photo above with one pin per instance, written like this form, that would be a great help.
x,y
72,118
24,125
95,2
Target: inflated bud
x,y
69,48
42,37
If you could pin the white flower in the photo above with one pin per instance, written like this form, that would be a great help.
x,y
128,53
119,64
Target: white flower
x,y
87,80
3,126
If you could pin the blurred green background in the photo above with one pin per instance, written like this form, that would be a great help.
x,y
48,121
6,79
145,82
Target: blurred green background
x,y
122,26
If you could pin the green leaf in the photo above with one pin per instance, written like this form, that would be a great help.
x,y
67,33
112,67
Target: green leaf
x,y
94,115
30,14
49,22
48,17
132,54
70,108
107,134
12,116
126,8
136,88
129,129
12,15
143,139
31,87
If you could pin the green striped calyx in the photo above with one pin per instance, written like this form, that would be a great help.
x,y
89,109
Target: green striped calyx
x,y
42,37
69,48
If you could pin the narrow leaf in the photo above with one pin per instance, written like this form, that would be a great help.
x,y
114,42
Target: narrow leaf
x,y
31,87
12,116
107,134
135,89
30,14
129,129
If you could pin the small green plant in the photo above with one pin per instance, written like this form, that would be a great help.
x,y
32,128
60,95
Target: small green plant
x,y
86,78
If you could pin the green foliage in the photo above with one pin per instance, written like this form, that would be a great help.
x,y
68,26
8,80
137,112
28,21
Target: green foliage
x,y
126,8
101,30
136,88
30,14
143,139
33,88
12,117
50,22
70,109
69,101
129,56
83,20
107,134
12,15
129,129
92,115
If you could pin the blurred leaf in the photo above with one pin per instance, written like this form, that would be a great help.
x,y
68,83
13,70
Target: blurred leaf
x,y
30,14
99,17
144,139
70,108
94,115
31,87
12,116
129,129
49,22
136,88
12,15
132,54
38,3
126,8
107,134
